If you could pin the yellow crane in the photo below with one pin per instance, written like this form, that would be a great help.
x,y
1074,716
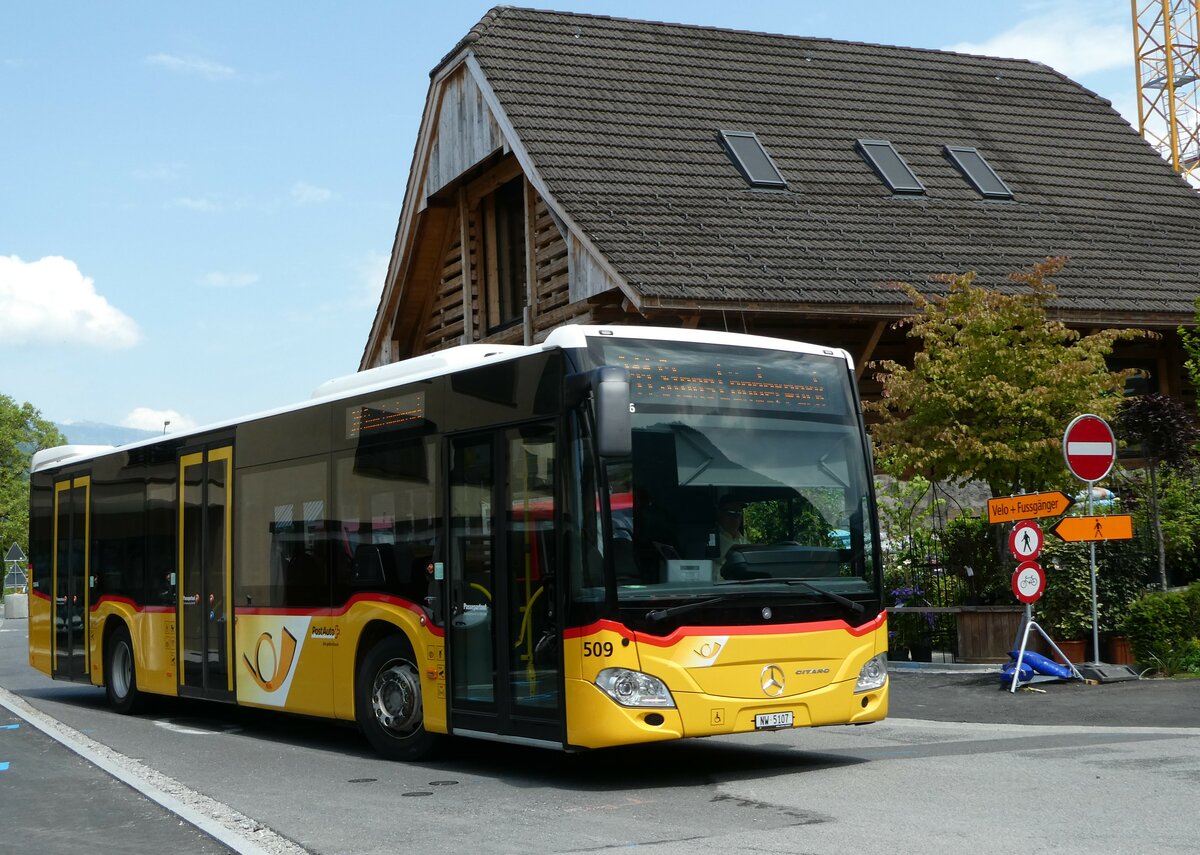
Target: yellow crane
x,y
1168,80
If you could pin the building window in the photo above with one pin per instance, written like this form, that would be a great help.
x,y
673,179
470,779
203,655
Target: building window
x,y
890,166
746,150
978,171
503,218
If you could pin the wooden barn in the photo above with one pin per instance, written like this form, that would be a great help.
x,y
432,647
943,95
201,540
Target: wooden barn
x,y
577,168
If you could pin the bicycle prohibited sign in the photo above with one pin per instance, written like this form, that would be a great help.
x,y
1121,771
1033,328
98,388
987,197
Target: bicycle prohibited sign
x,y
1029,581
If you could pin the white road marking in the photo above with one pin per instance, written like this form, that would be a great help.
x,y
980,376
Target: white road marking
x,y
239,832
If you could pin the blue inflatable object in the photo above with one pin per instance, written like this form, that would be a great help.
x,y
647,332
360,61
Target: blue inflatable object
x,y
1041,665
1006,673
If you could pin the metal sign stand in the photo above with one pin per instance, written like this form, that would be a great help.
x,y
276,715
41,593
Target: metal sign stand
x,y
1028,624
1090,451
1092,569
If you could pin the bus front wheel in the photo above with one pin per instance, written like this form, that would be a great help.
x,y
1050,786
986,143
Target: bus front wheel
x,y
120,675
387,701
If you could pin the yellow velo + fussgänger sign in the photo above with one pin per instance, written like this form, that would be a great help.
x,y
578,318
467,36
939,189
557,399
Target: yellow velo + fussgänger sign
x,y
1028,506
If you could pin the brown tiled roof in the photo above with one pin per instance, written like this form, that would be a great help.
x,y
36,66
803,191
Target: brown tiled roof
x,y
621,120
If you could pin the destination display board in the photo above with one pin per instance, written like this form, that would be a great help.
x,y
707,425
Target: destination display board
x,y
386,414
694,376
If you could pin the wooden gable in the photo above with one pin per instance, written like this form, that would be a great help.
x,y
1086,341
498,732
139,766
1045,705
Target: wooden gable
x,y
441,285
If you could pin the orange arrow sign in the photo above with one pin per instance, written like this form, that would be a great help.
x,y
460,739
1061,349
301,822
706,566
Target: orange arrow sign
x,y
1030,506
1075,529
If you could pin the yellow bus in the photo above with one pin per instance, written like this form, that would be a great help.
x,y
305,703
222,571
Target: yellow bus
x,y
618,535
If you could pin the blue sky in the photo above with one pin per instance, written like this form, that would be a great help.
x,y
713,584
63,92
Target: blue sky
x,y
198,200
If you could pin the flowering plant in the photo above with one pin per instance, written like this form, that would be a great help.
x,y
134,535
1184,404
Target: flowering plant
x,y
909,629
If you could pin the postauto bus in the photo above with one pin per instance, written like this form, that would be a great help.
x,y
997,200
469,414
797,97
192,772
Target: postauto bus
x,y
522,544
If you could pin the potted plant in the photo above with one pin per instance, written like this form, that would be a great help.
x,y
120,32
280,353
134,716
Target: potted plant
x,y
1065,609
909,632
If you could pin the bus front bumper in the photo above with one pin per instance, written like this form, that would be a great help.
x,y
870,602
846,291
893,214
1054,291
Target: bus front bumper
x,y
596,721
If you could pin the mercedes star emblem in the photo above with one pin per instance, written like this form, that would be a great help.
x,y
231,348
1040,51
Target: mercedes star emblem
x,y
772,681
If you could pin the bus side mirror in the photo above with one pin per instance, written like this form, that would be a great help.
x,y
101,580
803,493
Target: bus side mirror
x,y
614,428
609,386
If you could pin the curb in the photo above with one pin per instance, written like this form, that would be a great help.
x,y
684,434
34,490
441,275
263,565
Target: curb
x,y
943,667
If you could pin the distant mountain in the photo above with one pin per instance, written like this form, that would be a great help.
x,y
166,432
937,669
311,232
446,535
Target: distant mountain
x,y
96,433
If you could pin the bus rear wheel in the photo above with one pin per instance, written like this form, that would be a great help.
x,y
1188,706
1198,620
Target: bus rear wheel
x,y
387,702
120,674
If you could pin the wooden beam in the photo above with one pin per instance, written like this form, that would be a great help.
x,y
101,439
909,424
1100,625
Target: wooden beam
x,y
464,230
869,350
530,314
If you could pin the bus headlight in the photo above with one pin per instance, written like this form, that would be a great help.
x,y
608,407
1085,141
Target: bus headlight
x,y
873,675
633,688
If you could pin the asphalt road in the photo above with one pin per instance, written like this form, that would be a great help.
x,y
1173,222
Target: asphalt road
x,y
979,698
939,777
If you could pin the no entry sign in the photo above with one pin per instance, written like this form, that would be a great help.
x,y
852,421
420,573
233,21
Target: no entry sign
x,y
1089,448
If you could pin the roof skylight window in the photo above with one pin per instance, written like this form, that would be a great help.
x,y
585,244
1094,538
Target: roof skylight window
x,y
977,170
747,153
890,166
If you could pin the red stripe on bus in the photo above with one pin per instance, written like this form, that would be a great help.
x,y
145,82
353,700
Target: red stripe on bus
x,y
599,626
776,629
689,631
341,611
113,598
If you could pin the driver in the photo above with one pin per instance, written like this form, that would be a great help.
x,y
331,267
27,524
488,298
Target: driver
x,y
729,524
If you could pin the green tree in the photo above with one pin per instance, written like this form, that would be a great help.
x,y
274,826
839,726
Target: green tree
x,y
22,432
1164,431
994,385
1191,345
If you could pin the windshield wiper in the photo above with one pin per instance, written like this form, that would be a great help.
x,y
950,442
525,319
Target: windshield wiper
x,y
662,614
856,608
844,602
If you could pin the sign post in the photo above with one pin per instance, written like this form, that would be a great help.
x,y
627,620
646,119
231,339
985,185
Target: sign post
x,y
1090,450
1028,584
15,559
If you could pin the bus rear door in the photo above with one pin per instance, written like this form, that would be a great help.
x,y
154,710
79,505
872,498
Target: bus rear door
x,y
204,584
69,609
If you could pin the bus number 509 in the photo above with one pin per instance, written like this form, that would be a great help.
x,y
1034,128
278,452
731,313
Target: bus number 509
x,y
597,648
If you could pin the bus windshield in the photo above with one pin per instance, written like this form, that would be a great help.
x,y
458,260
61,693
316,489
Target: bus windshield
x,y
748,471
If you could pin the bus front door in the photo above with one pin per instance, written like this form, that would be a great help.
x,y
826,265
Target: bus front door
x,y
502,641
204,585
72,500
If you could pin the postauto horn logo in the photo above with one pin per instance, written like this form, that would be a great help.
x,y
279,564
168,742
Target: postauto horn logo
x,y
279,663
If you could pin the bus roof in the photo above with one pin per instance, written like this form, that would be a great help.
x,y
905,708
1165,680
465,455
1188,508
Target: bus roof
x,y
452,359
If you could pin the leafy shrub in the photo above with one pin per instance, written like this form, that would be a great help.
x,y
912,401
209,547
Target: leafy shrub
x,y
1192,597
973,555
1185,658
1125,568
1065,608
1161,630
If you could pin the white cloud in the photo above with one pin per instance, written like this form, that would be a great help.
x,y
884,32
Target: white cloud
x,y
230,280
204,204
51,301
145,418
372,271
304,193
191,65
1068,37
